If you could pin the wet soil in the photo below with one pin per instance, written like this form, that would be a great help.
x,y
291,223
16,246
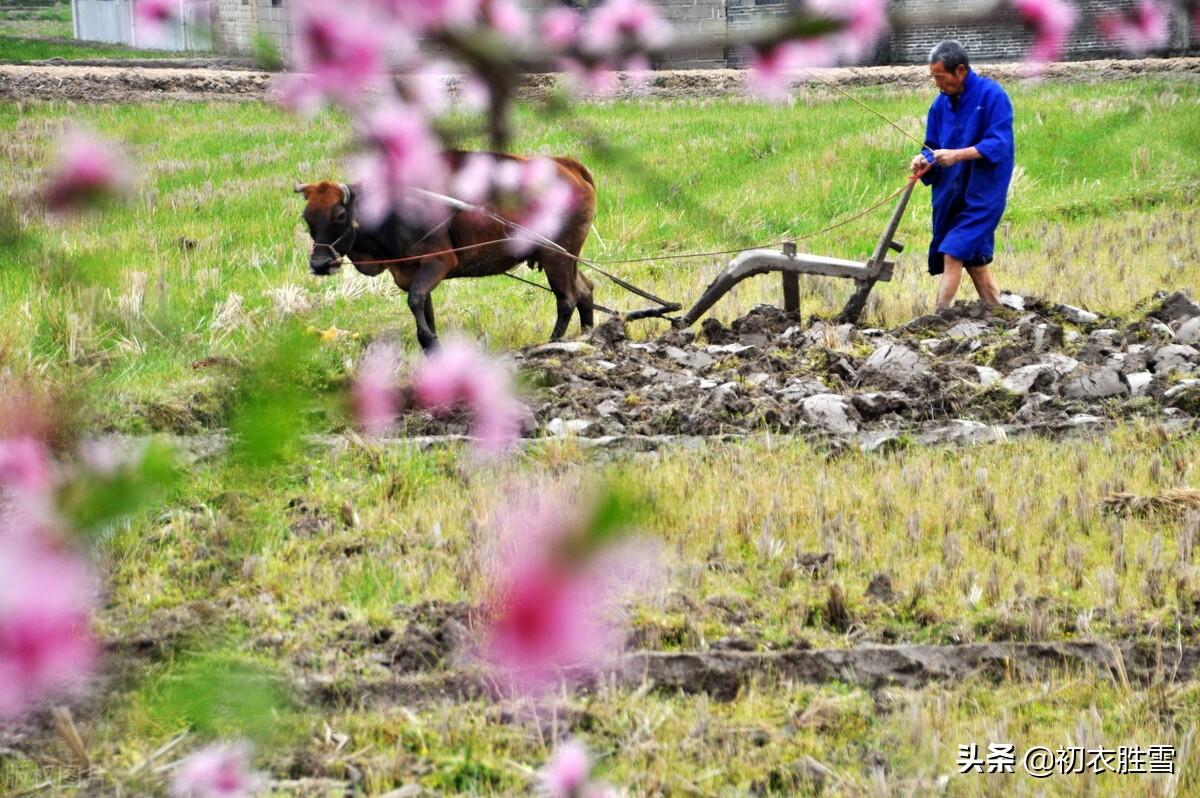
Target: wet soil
x,y
970,374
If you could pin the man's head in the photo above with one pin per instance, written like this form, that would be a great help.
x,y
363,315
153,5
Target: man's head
x,y
948,64
329,214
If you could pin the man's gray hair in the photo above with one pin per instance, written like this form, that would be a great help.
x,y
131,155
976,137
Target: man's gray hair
x,y
951,54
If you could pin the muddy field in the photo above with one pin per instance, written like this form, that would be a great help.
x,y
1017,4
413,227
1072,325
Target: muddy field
x,y
225,79
970,374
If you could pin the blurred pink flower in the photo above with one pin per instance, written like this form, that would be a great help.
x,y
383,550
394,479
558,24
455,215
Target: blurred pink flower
x,y
473,180
102,456
221,770
88,170
374,394
155,17
459,373
1051,22
566,774
1138,31
554,601
530,193
401,154
24,465
618,24
772,72
46,597
598,79
559,26
545,200
476,95
508,19
426,85
638,72
339,55
865,22
544,619
427,16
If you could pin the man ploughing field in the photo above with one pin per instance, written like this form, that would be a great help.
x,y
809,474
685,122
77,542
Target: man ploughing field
x,y
968,159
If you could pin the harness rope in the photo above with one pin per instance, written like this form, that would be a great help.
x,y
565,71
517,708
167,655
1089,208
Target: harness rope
x,y
595,264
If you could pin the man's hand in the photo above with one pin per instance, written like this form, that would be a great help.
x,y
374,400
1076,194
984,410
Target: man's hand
x,y
947,157
918,163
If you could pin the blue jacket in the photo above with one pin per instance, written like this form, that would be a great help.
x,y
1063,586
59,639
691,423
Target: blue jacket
x,y
969,197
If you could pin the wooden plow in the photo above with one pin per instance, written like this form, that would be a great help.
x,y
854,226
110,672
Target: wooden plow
x,y
791,264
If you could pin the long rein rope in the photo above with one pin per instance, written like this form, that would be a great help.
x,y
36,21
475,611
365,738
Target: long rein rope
x,y
595,264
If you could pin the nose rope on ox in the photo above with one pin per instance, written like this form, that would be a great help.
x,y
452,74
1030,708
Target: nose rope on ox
x,y
332,247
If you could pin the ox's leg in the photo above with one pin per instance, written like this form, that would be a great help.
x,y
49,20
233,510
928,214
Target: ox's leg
x,y
427,278
429,315
561,273
587,314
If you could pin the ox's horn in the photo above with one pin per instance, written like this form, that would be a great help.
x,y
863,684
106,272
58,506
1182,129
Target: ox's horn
x,y
300,188
345,193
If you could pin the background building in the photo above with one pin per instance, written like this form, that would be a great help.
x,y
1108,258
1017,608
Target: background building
x,y
238,24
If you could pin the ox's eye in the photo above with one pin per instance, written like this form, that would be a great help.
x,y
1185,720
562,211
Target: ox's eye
x,y
339,215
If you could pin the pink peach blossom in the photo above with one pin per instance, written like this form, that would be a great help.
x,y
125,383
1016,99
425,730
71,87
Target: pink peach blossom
x,y
559,27
401,154
598,79
554,598
155,17
374,394
88,170
545,620
865,21
1051,22
546,199
507,19
532,194
772,72
221,770
459,374
1139,31
24,465
421,17
566,774
339,55
624,23
47,594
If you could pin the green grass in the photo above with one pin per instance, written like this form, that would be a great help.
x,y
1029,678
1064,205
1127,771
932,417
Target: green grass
x,y
209,260
36,33
19,49
1102,214
268,600
45,21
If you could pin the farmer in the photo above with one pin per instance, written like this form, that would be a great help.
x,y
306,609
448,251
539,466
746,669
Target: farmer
x,y
969,150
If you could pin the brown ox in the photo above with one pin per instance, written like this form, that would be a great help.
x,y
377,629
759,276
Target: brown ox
x,y
337,233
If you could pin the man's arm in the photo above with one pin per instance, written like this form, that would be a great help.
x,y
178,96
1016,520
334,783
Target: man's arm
x,y
997,142
951,157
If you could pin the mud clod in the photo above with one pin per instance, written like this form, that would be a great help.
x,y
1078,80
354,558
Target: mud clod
x,y
969,374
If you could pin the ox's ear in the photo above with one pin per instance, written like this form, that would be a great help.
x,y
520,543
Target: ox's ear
x,y
300,188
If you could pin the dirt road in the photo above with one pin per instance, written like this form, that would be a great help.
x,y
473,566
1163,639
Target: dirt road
x,y
123,82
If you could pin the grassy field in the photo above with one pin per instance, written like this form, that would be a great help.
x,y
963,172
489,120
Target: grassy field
x,y
212,249
1008,542
45,21
35,33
